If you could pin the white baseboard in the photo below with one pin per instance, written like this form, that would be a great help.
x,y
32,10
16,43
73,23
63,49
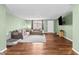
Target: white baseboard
x,y
72,48
75,50
3,50
68,38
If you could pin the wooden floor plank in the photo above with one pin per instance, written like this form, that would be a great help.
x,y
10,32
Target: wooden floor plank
x,y
54,46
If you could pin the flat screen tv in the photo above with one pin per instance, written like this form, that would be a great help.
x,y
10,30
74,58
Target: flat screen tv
x,y
60,20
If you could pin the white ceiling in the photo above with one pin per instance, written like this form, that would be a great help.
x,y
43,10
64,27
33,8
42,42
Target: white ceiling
x,y
39,11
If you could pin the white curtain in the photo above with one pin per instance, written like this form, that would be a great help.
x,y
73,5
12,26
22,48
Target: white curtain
x,y
37,24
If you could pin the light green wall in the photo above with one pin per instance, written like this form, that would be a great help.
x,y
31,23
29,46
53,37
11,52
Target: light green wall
x,y
14,23
76,27
2,27
68,19
56,26
67,28
45,25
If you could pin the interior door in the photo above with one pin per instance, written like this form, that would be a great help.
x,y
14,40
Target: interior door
x,y
50,26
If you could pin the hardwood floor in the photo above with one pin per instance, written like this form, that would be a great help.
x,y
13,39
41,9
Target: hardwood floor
x,y
53,46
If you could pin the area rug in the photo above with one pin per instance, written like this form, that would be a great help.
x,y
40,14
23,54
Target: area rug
x,y
34,39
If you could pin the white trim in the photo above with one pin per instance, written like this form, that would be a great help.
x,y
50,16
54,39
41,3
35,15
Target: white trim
x,y
75,50
3,50
68,38
72,48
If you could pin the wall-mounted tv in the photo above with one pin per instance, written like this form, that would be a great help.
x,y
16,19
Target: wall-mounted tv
x,y
61,21
66,20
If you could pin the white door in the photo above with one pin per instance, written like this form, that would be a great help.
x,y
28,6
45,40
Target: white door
x,y
50,26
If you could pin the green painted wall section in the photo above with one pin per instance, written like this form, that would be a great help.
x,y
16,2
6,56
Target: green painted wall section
x,y
14,23
2,27
76,27
28,24
56,26
68,19
67,27
45,25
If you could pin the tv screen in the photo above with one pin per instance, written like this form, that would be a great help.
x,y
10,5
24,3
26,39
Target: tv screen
x,y
60,20
65,20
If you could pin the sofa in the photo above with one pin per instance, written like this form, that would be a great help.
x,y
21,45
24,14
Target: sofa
x,y
36,32
15,36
